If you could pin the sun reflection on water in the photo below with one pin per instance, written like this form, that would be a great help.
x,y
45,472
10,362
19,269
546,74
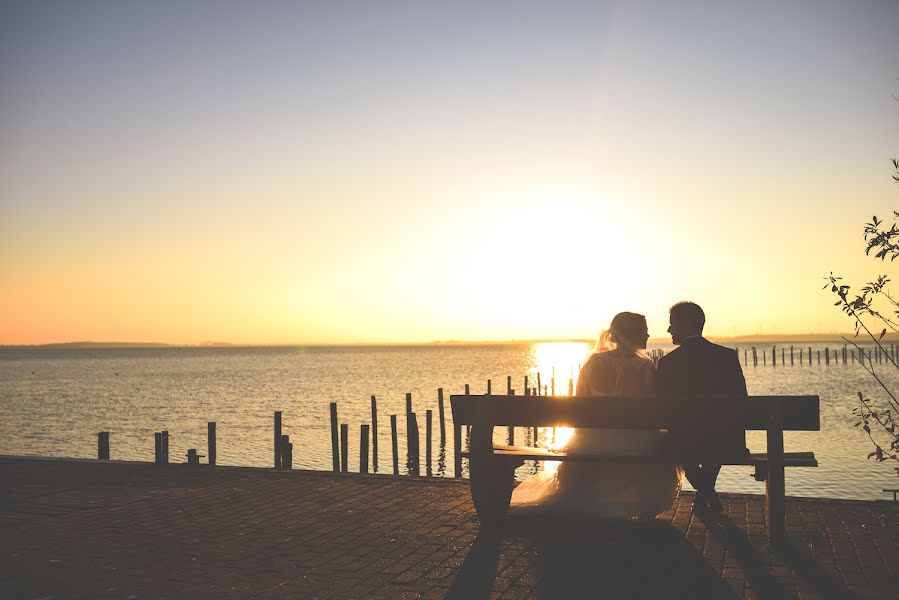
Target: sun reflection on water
x,y
558,364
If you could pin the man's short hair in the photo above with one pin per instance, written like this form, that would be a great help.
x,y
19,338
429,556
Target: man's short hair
x,y
688,313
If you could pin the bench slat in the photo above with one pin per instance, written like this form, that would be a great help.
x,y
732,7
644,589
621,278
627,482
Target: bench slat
x,y
791,459
798,413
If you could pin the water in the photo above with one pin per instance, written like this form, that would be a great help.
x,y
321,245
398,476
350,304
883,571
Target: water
x,y
53,401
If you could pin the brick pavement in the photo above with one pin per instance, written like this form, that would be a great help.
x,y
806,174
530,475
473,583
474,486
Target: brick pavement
x,y
78,529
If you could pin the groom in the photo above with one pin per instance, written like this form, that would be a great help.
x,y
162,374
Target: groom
x,y
697,367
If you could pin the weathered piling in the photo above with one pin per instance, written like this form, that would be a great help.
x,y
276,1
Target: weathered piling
x,y
393,439
408,429
344,447
827,356
571,386
165,447
363,448
211,443
489,387
819,356
285,452
552,382
764,358
157,438
809,356
508,385
467,427
783,357
374,434
103,445
755,357
845,354
429,414
335,448
277,439
441,414
415,454
527,390
539,386
745,353
791,356
773,356
800,356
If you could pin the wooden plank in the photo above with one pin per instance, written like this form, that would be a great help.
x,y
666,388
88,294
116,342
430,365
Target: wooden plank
x,y
798,413
277,443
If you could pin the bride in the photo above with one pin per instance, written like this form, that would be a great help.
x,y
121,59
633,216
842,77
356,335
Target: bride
x,y
619,367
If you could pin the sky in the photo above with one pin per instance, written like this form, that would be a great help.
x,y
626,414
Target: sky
x,y
370,172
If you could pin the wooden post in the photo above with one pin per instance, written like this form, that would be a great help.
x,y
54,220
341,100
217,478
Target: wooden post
x,y
277,439
845,354
783,358
489,387
285,451
393,439
791,356
428,417
467,427
755,357
775,489
745,361
827,356
344,447
508,385
809,356
773,356
103,445
374,436
457,446
335,440
287,454
800,356
363,448
442,419
408,429
415,455
819,356
211,443
527,390
764,358
552,382
165,447
158,439
539,386
571,386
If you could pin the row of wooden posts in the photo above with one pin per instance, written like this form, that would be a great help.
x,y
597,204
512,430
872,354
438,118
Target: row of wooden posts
x,y
283,448
877,355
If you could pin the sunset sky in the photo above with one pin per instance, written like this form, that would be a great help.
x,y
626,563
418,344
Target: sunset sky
x,y
329,172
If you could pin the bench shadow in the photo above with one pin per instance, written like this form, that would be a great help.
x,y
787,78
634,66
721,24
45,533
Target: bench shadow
x,y
756,570
579,559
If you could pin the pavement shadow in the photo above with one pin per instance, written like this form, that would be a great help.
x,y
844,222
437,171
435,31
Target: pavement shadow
x,y
757,571
586,559
475,578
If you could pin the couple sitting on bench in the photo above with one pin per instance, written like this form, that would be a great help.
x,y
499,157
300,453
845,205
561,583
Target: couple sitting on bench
x,y
585,489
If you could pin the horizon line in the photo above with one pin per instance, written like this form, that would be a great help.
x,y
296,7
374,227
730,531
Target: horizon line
x,y
758,337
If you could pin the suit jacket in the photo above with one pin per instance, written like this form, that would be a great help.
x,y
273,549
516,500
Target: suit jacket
x,y
700,368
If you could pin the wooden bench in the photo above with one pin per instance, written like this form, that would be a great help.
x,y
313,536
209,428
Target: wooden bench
x,y
492,466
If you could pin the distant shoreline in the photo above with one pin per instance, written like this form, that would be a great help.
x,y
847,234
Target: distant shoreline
x,y
741,339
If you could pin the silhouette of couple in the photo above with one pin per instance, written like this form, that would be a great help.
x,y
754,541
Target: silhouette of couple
x,y
618,366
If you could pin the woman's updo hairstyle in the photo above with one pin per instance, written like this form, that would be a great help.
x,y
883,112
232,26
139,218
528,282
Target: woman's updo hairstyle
x,y
624,331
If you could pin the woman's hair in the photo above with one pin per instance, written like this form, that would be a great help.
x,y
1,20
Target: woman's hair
x,y
624,332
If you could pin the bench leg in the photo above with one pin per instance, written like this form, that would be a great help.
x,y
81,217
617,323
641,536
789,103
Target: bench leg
x,y
775,505
491,488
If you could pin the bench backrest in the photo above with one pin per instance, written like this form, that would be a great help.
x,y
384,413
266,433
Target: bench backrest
x,y
796,413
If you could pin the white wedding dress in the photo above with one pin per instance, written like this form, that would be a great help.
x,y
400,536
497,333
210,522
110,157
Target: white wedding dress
x,y
585,490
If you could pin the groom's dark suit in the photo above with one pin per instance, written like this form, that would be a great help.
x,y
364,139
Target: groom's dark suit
x,y
700,368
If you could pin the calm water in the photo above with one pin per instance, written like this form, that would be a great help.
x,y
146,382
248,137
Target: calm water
x,y
53,401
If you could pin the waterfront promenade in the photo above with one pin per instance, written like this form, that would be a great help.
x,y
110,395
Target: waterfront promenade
x,y
81,529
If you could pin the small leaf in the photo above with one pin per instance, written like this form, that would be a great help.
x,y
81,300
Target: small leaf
x,y
882,333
